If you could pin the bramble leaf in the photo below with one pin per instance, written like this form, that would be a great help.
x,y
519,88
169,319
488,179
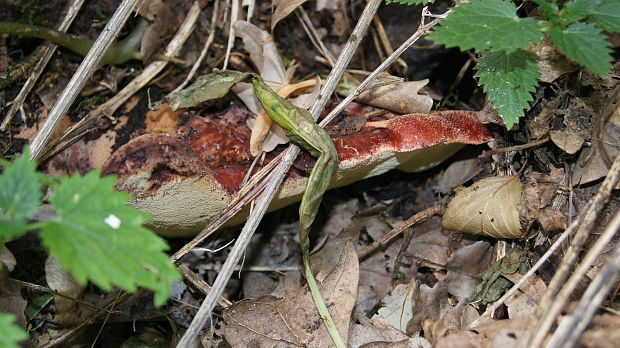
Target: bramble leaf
x,y
509,79
487,25
98,237
409,2
11,333
607,15
20,195
578,9
585,44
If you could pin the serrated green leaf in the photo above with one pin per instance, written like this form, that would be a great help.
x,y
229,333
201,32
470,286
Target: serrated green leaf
x,y
487,25
20,195
607,15
550,9
97,237
509,80
10,334
578,9
409,2
585,44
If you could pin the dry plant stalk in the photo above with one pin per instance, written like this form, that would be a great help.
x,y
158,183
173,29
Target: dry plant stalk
x,y
107,109
49,49
79,78
551,305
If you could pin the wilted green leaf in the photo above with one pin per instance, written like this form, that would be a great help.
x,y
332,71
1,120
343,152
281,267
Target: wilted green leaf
x,y
487,25
10,334
585,44
607,15
509,80
20,195
207,87
488,207
98,237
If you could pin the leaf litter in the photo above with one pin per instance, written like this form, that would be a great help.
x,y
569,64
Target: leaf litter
x,y
426,283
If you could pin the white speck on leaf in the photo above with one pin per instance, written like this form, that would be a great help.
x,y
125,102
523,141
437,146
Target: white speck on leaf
x,y
113,221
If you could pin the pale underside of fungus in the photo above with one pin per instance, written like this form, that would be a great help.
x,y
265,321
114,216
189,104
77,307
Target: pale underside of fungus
x,y
184,178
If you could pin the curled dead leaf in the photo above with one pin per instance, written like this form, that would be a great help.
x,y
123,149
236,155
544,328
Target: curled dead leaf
x,y
402,97
283,8
488,207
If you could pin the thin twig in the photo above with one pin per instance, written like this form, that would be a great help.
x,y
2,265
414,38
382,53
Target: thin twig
x,y
83,72
201,285
247,193
387,45
205,49
45,289
573,325
552,249
490,153
276,179
550,305
388,237
49,49
234,16
423,29
107,109
302,15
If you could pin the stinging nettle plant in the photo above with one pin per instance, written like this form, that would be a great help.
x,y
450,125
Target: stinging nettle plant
x,y
507,71
94,234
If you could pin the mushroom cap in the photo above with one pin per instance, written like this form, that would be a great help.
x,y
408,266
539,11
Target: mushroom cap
x,y
185,178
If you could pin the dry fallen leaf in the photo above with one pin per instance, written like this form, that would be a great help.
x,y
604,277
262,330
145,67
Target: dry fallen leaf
x,y
500,333
594,162
551,62
456,174
282,9
163,26
488,207
399,97
397,309
567,139
539,191
268,320
63,283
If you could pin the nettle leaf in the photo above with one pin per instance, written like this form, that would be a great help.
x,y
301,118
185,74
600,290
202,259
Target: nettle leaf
x,y
509,80
98,237
11,334
585,44
578,9
550,9
409,2
20,195
487,25
607,15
